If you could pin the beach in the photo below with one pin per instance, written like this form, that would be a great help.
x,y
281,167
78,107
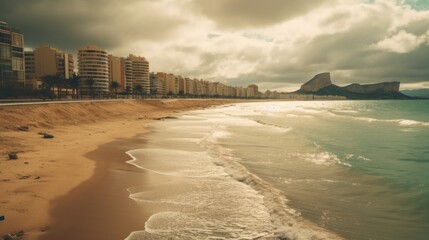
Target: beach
x,y
193,169
75,183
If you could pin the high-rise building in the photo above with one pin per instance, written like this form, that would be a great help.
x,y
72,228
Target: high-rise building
x,y
156,85
171,84
252,91
46,60
162,78
138,70
11,56
117,71
94,64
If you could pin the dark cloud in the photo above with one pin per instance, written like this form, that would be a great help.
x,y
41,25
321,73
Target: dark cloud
x,y
72,24
359,42
253,13
349,56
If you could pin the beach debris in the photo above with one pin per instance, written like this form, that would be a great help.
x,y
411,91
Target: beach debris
x,y
44,229
13,236
163,118
2,218
26,163
24,128
13,156
24,176
37,177
47,135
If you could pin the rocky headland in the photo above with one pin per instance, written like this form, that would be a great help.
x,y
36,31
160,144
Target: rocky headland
x,y
321,85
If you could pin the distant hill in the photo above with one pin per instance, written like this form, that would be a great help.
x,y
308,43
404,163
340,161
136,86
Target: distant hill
x,y
321,85
421,93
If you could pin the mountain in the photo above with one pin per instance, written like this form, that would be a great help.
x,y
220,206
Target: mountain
x,y
318,82
321,85
421,93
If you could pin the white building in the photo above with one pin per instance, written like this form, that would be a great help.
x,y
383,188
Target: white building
x,y
94,64
138,69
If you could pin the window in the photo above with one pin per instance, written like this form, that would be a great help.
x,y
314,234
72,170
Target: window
x,y
17,49
4,51
17,64
17,40
17,55
5,38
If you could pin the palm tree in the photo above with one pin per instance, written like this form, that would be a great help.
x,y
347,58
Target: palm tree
x,y
74,84
139,89
58,80
90,83
115,85
128,90
49,83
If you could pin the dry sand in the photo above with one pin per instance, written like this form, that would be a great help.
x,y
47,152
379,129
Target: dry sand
x,y
72,186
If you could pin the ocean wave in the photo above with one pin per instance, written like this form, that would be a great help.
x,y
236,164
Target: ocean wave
x,y
175,163
274,127
321,158
287,220
260,210
292,181
345,111
400,122
358,157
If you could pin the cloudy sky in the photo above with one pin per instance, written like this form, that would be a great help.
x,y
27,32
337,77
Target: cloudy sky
x,y
278,44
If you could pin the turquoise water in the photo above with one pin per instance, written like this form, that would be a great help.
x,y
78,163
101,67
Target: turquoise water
x,y
298,170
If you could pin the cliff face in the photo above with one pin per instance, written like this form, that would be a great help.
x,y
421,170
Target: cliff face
x,y
371,88
318,82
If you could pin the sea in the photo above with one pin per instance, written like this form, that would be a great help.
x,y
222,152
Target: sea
x,y
288,170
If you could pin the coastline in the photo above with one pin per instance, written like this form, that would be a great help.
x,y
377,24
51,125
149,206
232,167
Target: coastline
x,y
53,177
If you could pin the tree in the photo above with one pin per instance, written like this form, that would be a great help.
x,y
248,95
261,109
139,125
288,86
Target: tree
x,y
139,89
128,90
74,82
49,83
58,80
90,83
115,85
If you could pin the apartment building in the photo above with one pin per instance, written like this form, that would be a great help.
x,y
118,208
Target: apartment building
x,y
137,71
156,84
252,91
11,55
117,71
94,64
46,60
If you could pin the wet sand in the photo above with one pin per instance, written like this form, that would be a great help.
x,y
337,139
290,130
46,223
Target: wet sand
x,y
100,208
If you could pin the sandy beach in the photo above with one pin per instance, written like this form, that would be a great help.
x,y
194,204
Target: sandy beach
x,y
73,185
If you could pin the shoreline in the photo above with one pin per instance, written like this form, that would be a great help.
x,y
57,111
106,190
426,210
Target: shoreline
x,y
53,173
100,207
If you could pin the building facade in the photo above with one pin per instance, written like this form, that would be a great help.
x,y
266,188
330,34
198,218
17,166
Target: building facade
x,y
93,64
117,72
11,56
138,73
46,60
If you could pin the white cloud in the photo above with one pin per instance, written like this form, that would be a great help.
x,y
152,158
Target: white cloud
x,y
402,42
277,45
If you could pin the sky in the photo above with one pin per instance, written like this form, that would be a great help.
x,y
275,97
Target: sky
x,y
277,44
